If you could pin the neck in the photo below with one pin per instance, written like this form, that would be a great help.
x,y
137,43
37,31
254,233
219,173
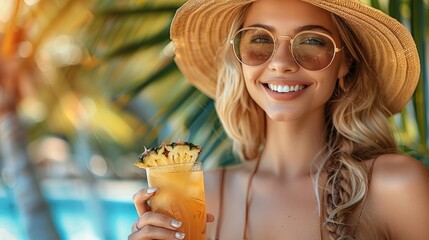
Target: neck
x,y
291,148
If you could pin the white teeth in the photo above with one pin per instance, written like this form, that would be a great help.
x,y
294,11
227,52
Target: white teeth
x,y
285,88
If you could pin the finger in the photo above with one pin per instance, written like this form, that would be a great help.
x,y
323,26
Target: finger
x,y
134,227
159,220
140,199
210,217
152,232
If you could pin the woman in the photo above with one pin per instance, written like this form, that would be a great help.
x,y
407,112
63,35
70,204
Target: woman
x,y
304,89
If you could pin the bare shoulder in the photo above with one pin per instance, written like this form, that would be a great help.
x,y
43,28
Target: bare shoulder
x,y
216,173
400,195
213,181
399,171
399,179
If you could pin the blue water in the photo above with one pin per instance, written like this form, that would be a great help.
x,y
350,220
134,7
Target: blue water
x,y
77,218
9,221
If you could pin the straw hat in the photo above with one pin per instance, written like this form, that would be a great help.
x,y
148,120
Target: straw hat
x,y
200,28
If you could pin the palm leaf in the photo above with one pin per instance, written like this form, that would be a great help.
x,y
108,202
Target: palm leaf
x,y
421,101
412,132
182,111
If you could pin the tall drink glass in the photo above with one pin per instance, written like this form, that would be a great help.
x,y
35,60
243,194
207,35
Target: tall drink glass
x,y
181,196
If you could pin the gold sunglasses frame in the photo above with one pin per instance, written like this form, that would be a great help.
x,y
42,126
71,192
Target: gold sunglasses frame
x,y
276,45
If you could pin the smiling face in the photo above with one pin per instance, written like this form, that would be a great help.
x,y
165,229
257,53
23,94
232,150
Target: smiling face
x,y
281,87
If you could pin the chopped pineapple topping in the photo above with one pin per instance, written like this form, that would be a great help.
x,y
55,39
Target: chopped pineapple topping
x,y
168,154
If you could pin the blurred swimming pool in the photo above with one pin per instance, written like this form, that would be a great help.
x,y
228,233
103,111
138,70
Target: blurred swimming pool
x,y
102,210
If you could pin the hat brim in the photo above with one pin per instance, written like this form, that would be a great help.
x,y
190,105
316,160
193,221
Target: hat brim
x,y
200,28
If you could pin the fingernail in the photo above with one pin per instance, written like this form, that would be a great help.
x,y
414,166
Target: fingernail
x,y
179,235
151,190
175,223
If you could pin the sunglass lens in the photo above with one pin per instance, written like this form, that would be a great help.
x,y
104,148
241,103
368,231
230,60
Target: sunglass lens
x,y
313,51
253,47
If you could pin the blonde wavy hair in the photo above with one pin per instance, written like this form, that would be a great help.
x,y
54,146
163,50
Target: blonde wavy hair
x,y
357,129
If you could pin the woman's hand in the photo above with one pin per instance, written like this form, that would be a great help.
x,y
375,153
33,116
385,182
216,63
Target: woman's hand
x,y
152,225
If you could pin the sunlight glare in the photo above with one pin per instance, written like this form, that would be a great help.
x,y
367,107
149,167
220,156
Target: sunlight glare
x,y
31,2
25,49
6,10
5,235
98,165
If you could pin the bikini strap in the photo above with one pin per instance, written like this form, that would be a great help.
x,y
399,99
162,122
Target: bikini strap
x,y
234,200
213,184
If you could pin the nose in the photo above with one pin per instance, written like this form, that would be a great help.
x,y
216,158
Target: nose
x,y
282,59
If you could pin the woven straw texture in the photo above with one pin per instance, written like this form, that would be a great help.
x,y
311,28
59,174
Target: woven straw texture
x,y
200,27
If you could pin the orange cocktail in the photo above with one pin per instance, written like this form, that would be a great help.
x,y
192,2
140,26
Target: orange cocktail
x,y
181,196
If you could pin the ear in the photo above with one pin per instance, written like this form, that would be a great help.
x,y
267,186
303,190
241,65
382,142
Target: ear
x,y
346,62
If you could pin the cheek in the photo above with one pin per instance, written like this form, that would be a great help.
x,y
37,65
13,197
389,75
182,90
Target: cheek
x,y
327,84
251,77
331,76
247,77
326,81
248,74
252,74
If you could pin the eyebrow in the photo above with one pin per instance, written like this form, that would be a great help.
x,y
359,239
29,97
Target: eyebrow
x,y
303,28
314,27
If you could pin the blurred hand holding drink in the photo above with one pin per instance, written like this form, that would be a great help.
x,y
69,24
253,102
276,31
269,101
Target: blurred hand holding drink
x,y
174,170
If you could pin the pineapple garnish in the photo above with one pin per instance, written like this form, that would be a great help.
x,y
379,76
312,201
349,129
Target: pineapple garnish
x,y
168,154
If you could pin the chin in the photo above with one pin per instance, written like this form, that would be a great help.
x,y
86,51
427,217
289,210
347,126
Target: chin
x,y
282,116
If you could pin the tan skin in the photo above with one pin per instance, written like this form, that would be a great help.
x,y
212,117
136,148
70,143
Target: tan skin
x,y
283,203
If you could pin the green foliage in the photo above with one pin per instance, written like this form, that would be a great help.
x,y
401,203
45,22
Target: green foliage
x,y
179,110
412,125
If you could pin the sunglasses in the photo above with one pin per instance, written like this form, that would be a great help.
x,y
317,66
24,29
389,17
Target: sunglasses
x,y
312,50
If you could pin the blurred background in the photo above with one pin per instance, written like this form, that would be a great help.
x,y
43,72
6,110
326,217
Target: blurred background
x,y
86,84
